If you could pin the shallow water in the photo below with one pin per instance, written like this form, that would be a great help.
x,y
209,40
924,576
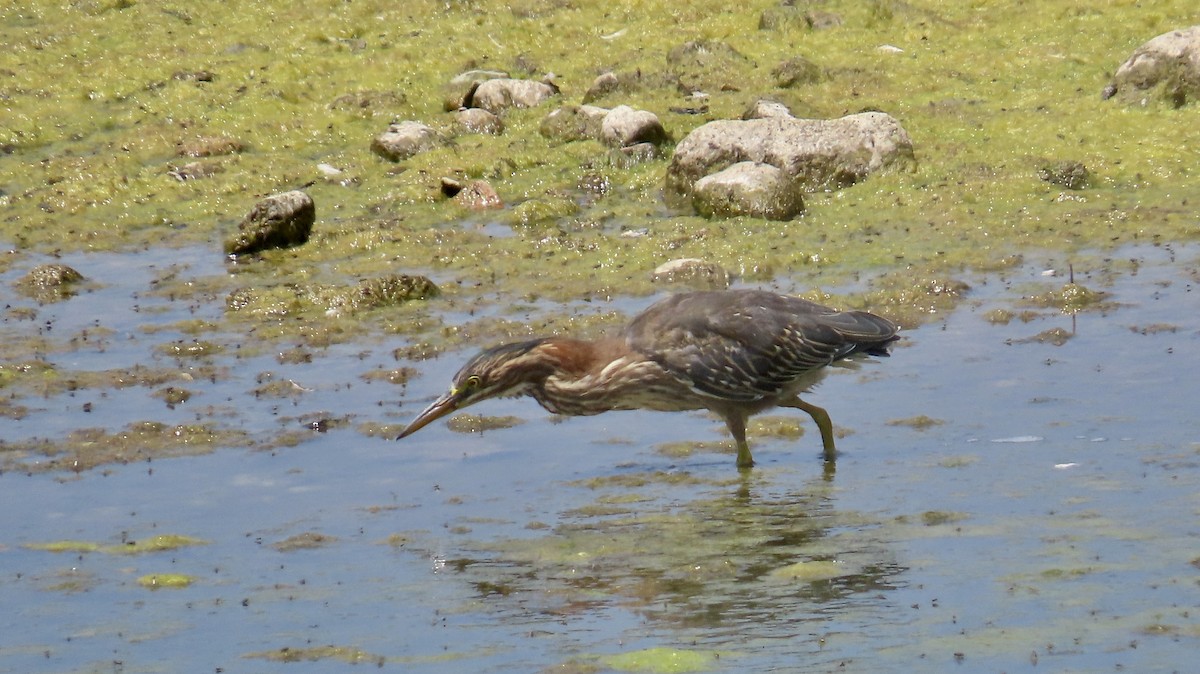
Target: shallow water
x,y
1042,519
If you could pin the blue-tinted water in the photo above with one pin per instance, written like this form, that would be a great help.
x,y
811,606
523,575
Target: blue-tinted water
x,y
1048,523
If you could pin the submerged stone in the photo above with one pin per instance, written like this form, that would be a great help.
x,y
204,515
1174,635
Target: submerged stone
x,y
810,571
49,282
278,221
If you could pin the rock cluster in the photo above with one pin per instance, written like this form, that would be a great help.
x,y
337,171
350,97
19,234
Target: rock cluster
x,y
762,167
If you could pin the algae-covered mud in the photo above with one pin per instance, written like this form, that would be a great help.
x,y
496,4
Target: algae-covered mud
x,y
196,462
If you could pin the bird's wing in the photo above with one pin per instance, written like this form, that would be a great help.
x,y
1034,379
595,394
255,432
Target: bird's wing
x,y
745,345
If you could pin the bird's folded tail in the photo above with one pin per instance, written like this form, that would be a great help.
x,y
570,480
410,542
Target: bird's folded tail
x,y
864,332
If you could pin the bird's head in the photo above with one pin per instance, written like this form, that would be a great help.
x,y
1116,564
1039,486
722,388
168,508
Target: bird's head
x,y
499,372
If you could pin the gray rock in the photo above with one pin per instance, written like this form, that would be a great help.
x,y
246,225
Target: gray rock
x,y
813,154
620,127
476,195
763,109
610,83
278,221
498,95
604,84
692,272
796,71
749,188
638,153
478,120
404,139
573,122
458,91
623,126
1167,68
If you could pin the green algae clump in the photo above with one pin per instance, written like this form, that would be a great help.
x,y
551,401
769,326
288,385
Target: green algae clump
x,y
331,299
158,581
1069,299
662,661
65,546
309,540
160,543
347,654
88,448
919,422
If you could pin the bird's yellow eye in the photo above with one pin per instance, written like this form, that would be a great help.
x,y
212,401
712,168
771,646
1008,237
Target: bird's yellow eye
x,y
472,382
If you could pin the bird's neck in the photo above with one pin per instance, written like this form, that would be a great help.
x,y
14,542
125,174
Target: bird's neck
x,y
594,377
575,366
572,359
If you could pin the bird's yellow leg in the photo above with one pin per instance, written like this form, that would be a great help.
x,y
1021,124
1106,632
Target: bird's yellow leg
x,y
737,428
821,417
744,459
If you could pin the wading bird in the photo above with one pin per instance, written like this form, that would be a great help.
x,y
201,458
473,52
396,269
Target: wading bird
x,y
734,352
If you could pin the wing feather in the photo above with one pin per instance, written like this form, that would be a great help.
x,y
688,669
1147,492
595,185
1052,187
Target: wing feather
x,y
745,345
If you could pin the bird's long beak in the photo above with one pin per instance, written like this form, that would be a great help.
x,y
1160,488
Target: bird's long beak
x,y
441,407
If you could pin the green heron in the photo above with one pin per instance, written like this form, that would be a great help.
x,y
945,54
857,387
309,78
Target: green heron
x,y
734,352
